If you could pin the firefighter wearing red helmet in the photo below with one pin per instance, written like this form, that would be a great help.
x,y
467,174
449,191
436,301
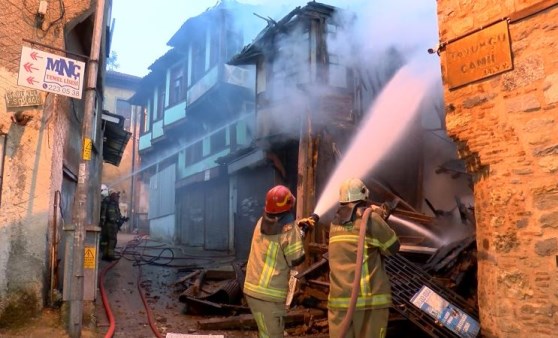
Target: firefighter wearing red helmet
x,y
276,248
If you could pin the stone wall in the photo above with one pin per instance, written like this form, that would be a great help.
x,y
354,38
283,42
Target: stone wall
x,y
506,127
33,161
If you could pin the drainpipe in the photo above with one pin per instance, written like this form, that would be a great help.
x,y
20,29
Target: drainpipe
x,y
82,200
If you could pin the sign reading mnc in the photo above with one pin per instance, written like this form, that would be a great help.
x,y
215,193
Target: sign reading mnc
x,y
479,55
50,72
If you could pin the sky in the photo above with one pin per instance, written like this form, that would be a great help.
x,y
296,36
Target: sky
x,y
142,28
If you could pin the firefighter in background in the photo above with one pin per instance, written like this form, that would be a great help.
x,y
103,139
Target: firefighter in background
x,y
371,310
104,202
111,220
277,247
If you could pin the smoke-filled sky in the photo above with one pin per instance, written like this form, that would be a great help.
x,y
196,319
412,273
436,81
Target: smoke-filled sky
x,y
142,28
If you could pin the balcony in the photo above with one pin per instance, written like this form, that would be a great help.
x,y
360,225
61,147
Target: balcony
x,y
157,130
174,114
145,142
201,87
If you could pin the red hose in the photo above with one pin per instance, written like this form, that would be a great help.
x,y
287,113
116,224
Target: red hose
x,y
106,303
147,308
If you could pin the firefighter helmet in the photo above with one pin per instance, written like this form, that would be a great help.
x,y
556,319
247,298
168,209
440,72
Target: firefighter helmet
x,y
279,199
353,190
104,190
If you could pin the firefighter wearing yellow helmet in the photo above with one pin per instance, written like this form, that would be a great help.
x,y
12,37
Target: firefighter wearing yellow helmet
x,y
276,248
369,315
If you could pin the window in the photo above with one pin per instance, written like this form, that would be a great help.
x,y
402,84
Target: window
x,y
194,153
177,85
145,120
198,60
124,109
218,140
214,46
160,103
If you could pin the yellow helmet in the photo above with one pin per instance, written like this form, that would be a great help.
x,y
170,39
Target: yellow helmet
x,y
353,189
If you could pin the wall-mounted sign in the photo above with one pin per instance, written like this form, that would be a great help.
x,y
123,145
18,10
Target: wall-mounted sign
x,y
50,72
479,55
23,98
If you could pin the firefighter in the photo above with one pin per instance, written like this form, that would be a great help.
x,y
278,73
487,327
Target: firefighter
x,y
277,247
104,203
369,315
110,223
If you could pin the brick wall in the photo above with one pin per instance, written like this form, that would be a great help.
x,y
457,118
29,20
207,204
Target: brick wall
x,y
33,161
506,126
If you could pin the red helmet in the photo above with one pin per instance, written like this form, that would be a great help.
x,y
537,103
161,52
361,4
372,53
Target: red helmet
x,y
279,199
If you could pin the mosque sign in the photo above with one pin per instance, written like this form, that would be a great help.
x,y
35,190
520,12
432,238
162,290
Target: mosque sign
x,y
50,73
479,55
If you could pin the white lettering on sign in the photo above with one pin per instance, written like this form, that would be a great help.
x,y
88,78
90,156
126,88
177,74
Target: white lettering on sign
x,y
51,73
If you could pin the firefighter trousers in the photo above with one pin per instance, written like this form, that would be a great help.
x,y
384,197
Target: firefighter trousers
x,y
371,323
268,316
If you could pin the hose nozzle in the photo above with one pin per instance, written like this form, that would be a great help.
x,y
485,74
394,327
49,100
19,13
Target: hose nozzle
x,y
315,217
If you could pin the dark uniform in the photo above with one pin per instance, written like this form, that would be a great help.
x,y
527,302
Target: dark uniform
x,y
110,223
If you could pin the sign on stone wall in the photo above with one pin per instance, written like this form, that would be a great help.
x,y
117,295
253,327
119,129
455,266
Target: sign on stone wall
x,y
23,98
479,55
50,72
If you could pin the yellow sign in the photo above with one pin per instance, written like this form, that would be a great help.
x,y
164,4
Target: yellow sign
x,y
87,148
479,55
89,257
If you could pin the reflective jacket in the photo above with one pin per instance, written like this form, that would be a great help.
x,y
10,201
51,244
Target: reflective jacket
x,y
375,287
276,247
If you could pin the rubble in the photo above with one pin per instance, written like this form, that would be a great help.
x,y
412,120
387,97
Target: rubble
x,y
447,271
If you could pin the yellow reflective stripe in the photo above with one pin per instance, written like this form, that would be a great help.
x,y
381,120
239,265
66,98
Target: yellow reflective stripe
x,y
258,316
362,302
292,248
343,238
365,277
390,241
269,264
369,241
272,292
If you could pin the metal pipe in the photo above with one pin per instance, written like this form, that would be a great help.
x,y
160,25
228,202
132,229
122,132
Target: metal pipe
x,y
82,200
132,208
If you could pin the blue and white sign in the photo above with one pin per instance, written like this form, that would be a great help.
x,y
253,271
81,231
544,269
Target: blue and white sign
x,y
51,73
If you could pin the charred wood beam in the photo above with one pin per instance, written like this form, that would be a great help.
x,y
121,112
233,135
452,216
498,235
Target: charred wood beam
x,y
198,283
246,321
312,268
187,277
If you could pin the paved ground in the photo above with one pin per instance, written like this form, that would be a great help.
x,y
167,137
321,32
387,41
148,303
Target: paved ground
x,y
157,281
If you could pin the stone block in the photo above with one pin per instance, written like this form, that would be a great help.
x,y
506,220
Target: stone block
x,y
524,103
546,247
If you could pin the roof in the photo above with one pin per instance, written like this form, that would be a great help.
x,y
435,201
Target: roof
x,y
121,80
311,10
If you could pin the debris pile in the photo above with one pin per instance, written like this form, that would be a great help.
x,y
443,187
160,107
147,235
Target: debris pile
x,y
449,271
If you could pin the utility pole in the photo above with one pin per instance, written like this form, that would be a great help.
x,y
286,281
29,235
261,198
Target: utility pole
x,y
82,200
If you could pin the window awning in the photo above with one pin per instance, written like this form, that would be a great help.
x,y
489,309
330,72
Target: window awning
x,y
115,138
